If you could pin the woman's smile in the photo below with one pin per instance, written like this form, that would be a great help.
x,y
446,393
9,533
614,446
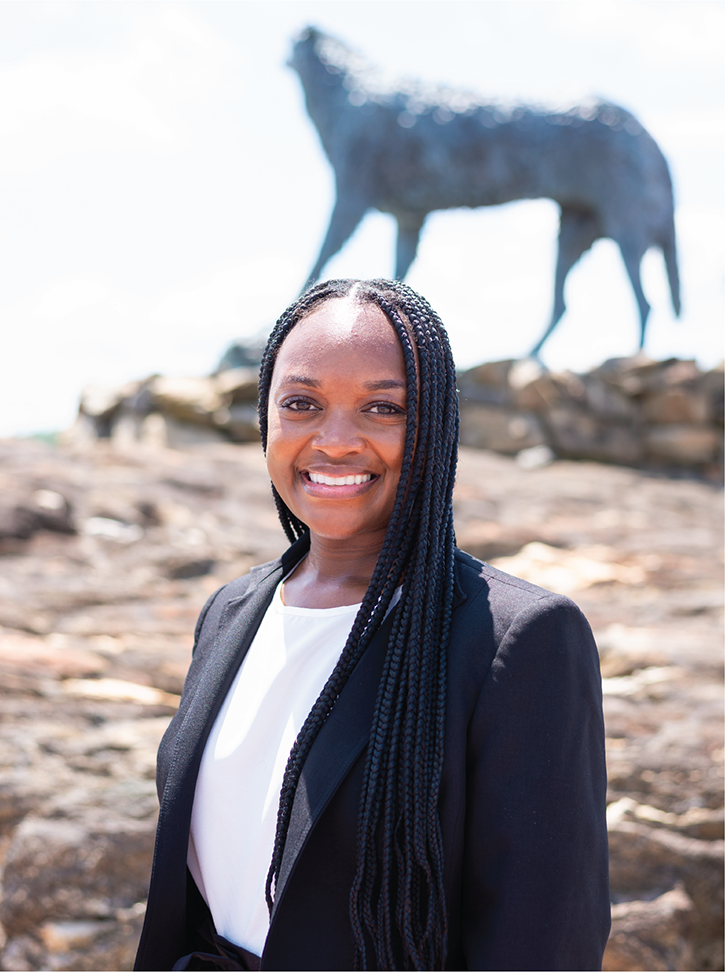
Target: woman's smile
x,y
337,418
348,480
337,484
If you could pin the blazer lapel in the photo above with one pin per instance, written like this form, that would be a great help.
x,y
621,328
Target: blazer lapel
x,y
233,633
340,741
239,621
231,636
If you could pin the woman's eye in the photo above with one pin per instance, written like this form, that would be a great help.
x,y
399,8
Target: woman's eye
x,y
386,408
299,405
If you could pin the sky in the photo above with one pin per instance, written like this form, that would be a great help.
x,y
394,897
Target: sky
x,y
163,191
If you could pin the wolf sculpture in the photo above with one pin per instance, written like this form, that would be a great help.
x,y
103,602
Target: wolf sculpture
x,y
410,149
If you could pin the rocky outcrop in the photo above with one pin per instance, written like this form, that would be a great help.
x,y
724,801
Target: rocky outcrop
x,y
649,936
630,411
96,623
171,412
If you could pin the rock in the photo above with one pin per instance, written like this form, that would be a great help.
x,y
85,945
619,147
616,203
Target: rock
x,y
189,399
99,408
535,392
640,374
712,383
675,406
696,822
567,571
44,509
649,936
488,540
112,529
99,402
644,859
536,457
238,385
651,857
78,946
241,355
488,427
60,868
23,652
116,688
685,445
577,433
75,878
61,936
605,401
17,523
182,567
629,411
98,635
169,432
494,374
240,422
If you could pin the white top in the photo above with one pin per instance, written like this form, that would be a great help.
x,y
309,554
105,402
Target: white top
x,y
237,792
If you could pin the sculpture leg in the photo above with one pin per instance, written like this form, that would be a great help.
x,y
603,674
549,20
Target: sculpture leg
x,y
345,218
409,227
632,257
577,231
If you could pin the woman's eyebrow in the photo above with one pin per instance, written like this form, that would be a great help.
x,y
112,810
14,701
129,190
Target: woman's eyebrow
x,y
301,380
384,384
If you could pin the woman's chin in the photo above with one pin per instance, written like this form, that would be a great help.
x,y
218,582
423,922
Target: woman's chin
x,y
355,534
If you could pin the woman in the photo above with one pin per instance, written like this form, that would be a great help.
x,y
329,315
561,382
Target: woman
x,y
442,805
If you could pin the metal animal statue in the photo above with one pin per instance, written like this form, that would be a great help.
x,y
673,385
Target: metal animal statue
x,y
411,149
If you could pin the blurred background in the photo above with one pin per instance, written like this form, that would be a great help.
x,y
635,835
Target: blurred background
x,y
163,192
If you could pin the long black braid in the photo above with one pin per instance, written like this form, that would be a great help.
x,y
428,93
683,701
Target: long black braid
x,y
397,903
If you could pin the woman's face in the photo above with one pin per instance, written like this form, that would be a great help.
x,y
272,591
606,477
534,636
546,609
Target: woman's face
x,y
336,420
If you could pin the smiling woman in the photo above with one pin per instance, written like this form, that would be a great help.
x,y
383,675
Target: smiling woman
x,y
388,754
335,441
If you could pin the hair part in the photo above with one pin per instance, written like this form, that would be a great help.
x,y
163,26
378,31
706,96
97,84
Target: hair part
x,y
397,900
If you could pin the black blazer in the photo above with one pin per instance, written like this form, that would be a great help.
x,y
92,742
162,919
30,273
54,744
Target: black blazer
x,y
522,803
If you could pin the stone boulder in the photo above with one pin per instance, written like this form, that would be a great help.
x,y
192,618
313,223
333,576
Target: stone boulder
x,y
175,413
45,509
629,411
78,860
652,936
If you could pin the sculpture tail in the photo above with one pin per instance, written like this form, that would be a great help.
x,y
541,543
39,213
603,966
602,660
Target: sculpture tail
x,y
669,250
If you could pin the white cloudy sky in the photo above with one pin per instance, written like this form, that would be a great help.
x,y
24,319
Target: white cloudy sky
x,y
163,192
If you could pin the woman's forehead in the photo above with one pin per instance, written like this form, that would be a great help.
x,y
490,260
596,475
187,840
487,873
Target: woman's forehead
x,y
342,316
343,329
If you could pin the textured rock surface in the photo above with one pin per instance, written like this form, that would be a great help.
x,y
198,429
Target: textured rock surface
x,y
630,411
96,623
649,936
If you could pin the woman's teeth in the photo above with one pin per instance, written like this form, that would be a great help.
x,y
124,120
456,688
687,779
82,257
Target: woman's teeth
x,y
340,480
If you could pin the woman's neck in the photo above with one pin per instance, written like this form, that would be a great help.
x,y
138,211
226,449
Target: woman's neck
x,y
334,572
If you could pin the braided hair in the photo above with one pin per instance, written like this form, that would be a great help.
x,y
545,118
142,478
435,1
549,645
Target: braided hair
x,y
397,903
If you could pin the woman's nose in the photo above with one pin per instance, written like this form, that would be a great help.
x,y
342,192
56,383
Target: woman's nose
x,y
338,434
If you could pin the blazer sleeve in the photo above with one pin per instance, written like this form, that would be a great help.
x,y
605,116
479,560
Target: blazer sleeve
x,y
535,889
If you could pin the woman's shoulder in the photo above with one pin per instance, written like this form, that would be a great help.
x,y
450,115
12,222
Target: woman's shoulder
x,y
475,576
233,590
492,598
496,610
